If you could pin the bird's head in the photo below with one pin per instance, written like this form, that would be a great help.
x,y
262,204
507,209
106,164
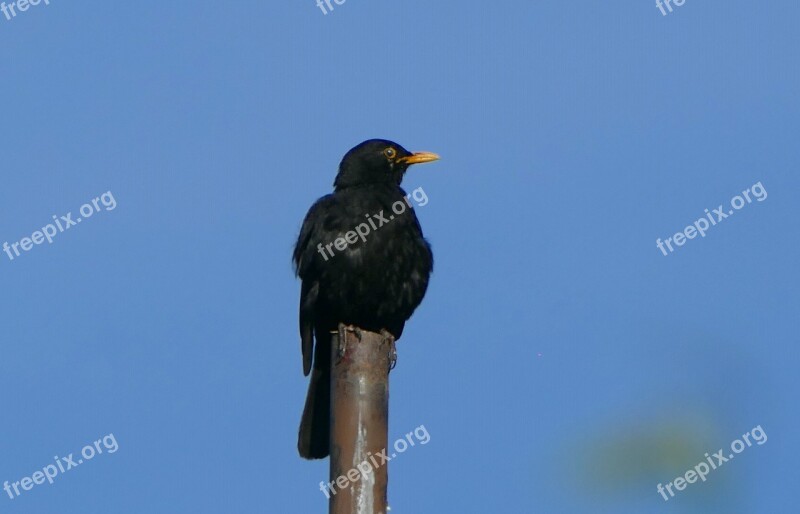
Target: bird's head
x,y
377,161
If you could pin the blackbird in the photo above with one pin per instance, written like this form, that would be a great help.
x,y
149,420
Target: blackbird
x,y
363,261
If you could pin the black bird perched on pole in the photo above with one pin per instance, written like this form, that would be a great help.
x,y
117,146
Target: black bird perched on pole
x,y
363,261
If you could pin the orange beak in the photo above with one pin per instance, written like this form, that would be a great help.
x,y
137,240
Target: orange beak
x,y
419,158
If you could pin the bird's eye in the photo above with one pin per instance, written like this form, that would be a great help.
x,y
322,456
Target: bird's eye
x,y
390,153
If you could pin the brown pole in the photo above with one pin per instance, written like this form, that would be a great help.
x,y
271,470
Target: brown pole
x,y
359,420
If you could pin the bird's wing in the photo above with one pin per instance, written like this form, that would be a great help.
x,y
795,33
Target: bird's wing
x,y
310,235
305,259
308,297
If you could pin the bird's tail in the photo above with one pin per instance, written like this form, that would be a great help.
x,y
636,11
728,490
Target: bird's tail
x,y
314,436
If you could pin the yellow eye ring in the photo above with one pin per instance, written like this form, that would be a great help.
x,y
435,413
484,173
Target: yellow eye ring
x,y
391,153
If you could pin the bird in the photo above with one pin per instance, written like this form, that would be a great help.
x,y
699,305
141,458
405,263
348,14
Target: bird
x,y
375,283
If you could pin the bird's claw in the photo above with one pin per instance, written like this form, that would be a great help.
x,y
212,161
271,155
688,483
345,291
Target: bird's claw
x,y
342,342
343,330
388,337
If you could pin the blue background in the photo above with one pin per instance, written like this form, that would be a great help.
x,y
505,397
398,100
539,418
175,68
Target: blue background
x,y
560,362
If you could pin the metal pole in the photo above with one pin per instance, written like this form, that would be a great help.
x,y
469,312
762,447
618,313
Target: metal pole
x,y
360,364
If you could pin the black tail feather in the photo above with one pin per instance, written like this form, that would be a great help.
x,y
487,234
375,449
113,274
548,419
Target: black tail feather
x,y
313,441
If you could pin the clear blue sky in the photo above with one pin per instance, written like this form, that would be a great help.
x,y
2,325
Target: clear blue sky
x,y
560,362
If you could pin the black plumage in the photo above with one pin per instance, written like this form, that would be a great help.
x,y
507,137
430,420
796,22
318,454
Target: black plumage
x,y
375,283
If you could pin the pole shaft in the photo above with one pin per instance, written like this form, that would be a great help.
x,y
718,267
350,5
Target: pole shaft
x,y
359,422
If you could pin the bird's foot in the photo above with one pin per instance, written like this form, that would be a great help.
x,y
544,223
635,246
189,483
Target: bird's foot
x,y
342,342
389,338
343,330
